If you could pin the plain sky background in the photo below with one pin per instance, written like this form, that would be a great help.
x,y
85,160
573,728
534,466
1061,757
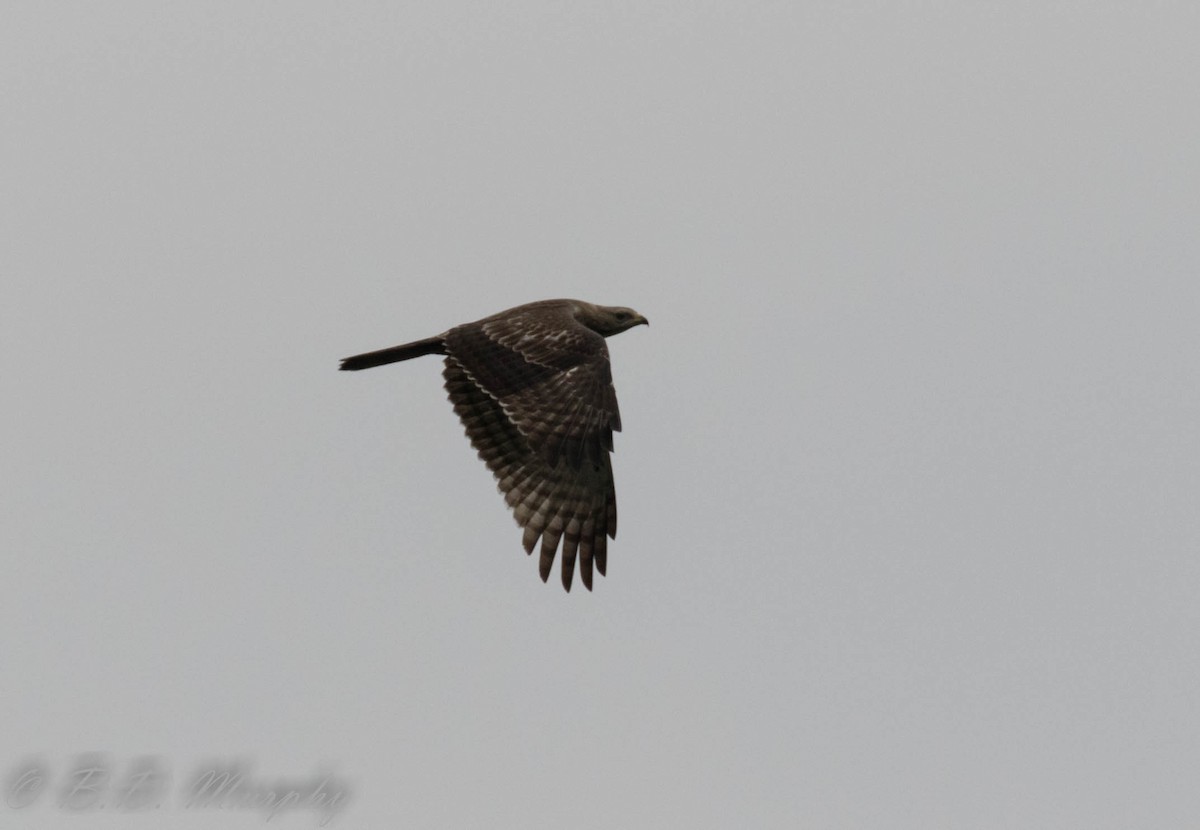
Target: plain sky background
x,y
910,471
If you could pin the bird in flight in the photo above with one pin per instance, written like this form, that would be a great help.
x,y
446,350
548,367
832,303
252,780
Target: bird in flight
x,y
533,388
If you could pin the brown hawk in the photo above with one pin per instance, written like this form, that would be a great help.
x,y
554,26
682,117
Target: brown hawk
x,y
533,388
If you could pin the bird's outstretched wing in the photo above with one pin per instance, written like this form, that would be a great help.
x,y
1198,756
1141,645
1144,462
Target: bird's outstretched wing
x,y
533,388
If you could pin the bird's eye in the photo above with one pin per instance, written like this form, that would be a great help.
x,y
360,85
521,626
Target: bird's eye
x,y
622,315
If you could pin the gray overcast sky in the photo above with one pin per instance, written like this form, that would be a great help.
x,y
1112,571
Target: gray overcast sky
x,y
910,470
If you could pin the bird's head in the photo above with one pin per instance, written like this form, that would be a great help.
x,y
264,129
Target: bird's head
x,y
608,320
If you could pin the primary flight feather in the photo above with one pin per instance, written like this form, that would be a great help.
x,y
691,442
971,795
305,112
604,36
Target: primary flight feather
x,y
533,388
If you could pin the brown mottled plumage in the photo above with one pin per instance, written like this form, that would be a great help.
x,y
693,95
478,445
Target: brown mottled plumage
x,y
533,387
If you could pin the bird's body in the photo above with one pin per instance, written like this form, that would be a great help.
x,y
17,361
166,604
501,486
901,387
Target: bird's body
x,y
533,388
